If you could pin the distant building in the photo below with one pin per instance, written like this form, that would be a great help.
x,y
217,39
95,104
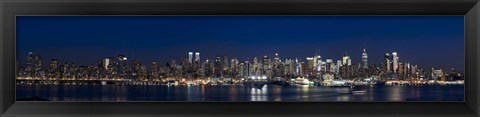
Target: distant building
x,y
364,59
190,57
395,62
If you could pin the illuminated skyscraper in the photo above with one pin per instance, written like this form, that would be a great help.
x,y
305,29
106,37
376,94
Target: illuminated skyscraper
x,y
337,67
318,63
122,66
364,59
190,57
346,60
266,66
387,63
395,62
197,56
218,70
154,70
330,65
105,63
310,65
53,71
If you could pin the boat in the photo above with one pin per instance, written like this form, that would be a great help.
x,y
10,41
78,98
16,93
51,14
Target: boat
x,y
303,81
257,82
172,83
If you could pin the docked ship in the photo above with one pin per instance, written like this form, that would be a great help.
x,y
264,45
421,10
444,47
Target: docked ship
x,y
257,82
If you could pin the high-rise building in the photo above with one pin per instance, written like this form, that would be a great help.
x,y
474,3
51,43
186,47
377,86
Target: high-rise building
x,y
197,56
122,66
330,65
53,71
346,60
364,59
387,63
266,66
154,70
106,63
318,64
218,70
190,57
395,62
339,64
310,65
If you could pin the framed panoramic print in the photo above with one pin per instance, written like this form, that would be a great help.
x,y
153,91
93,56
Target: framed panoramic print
x,y
237,58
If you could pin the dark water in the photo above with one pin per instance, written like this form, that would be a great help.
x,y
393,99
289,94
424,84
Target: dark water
x,y
241,93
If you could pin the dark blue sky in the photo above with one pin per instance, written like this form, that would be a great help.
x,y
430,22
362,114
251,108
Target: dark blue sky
x,y
429,41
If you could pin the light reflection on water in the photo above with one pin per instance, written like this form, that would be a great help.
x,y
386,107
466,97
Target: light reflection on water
x,y
241,93
259,94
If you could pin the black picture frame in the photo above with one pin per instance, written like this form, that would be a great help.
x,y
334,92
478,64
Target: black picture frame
x,y
11,8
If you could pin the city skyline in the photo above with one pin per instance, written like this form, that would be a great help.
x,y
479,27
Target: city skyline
x,y
95,45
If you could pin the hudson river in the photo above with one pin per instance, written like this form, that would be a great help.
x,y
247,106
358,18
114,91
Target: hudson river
x,y
240,93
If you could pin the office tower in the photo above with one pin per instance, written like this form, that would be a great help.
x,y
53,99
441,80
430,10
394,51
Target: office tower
x,y
364,59
346,60
241,69
414,70
196,64
30,64
437,74
197,56
106,63
225,63
349,61
310,65
218,70
395,62
154,70
190,57
234,67
38,66
208,68
318,65
401,68
122,66
387,63
53,69
276,60
330,65
339,64
324,66
266,62
266,66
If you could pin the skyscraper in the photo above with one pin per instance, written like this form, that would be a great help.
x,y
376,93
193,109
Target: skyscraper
x,y
395,62
197,56
318,64
346,60
330,65
364,59
122,66
106,62
190,57
387,63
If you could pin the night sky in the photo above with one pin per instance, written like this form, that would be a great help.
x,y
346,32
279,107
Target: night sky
x,y
429,41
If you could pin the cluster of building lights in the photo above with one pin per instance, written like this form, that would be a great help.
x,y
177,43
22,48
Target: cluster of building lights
x,y
191,68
